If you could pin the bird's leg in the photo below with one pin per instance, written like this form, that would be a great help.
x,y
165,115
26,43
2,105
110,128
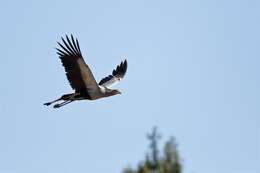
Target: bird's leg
x,y
49,103
62,104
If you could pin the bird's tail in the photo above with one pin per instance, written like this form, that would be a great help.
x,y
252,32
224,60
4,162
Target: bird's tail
x,y
67,96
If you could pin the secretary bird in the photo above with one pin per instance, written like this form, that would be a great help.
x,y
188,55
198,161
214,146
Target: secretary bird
x,y
81,78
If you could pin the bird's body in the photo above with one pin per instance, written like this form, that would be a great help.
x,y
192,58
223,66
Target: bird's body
x,y
81,78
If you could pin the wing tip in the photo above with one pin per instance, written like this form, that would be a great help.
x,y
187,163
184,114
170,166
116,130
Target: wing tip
x,y
69,45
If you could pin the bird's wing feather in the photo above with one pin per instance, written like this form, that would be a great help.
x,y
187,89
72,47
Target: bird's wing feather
x,y
78,72
116,76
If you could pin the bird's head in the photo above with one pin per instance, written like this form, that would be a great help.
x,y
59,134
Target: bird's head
x,y
115,92
111,92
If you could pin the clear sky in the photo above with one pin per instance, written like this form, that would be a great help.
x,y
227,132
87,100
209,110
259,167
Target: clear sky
x,y
193,72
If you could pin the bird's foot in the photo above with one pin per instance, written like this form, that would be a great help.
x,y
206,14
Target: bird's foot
x,y
57,106
47,104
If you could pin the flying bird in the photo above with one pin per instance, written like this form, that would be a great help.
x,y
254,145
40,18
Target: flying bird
x,y
81,78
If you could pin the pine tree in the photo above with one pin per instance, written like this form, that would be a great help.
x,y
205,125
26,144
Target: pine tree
x,y
171,162
154,137
129,170
153,163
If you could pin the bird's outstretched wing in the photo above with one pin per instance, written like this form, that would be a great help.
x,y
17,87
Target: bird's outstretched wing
x,y
116,76
77,71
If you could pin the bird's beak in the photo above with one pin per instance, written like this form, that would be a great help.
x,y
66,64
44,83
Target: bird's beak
x,y
119,92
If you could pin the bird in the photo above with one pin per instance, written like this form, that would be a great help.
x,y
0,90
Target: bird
x,y
81,78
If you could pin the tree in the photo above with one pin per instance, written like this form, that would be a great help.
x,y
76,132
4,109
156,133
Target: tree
x,y
169,162
154,137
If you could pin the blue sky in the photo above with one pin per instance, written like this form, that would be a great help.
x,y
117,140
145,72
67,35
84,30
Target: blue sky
x,y
193,72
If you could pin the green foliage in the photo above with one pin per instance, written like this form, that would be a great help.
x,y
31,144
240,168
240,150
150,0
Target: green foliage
x,y
129,170
169,162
